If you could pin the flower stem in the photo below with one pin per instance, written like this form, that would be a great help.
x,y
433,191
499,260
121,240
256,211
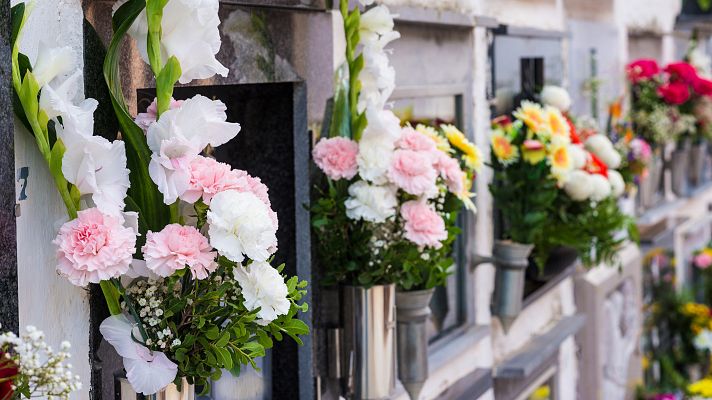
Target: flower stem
x,y
111,294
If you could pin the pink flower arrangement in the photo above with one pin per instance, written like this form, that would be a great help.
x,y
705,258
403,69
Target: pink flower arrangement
x,y
413,140
336,157
177,247
423,225
703,259
674,93
94,247
413,172
144,120
450,170
209,177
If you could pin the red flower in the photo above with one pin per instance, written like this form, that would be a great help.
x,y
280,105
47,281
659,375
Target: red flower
x,y
703,86
575,139
674,93
596,166
502,120
642,69
682,71
7,370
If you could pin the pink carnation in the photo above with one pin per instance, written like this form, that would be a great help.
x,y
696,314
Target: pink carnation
x,y
177,247
336,157
450,170
423,226
144,120
94,247
208,178
413,140
703,260
413,172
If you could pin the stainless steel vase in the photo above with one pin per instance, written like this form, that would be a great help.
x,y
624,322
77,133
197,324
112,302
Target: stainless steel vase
x,y
679,166
650,184
412,311
170,392
369,341
698,160
511,260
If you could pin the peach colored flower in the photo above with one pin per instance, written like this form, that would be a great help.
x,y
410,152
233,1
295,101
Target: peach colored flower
x,y
423,225
94,247
177,247
336,157
413,172
413,140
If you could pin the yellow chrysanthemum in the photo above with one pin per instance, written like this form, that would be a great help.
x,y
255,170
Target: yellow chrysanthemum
x,y
474,160
440,142
465,195
531,114
556,123
503,149
459,140
561,163
701,388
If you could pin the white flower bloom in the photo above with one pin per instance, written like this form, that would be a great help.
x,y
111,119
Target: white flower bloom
x,y
371,202
240,226
703,340
382,124
52,62
59,103
366,2
170,168
190,33
264,288
579,186
374,159
375,22
578,156
602,147
617,183
601,187
556,96
147,371
377,79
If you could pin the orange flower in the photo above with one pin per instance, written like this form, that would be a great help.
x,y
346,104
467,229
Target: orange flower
x,y
531,114
557,123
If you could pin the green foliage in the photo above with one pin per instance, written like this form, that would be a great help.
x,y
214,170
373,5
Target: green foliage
x,y
352,23
705,5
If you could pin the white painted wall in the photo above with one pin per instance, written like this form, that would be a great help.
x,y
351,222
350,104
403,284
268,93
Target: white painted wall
x,y
46,300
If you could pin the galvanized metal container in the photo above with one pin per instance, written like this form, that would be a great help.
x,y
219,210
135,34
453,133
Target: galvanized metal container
x,y
511,261
370,341
698,160
650,185
679,167
412,312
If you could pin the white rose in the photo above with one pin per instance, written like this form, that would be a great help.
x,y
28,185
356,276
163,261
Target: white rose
x,y
579,186
190,33
374,159
578,156
556,96
264,288
371,202
240,226
601,187
617,183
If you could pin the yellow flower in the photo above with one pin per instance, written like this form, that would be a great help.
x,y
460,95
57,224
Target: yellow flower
x,y
458,139
533,151
503,149
541,393
531,114
474,160
556,122
560,160
440,142
645,363
701,388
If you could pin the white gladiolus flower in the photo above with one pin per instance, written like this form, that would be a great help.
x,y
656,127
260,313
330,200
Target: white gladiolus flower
x,y
190,33
375,22
58,102
147,371
264,288
240,226
579,186
52,62
601,187
377,79
382,124
556,96
617,183
374,159
578,156
371,202
170,168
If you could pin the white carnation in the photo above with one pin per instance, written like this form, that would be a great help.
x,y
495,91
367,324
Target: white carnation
x,y
556,96
578,156
240,226
611,158
264,288
617,183
371,202
601,187
603,148
374,159
579,186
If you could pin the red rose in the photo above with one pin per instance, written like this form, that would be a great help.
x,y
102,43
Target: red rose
x,y
682,71
703,86
674,93
7,370
642,69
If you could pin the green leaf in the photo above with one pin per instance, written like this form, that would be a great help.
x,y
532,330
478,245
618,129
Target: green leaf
x,y
17,16
225,357
111,294
224,339
164,84
212,333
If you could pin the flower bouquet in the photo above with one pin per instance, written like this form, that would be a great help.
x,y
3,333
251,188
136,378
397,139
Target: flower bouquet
x,y
29,368
179,243
636,153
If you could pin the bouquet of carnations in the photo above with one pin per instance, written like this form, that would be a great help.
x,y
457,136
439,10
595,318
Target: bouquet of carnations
x,y
387,210
669,104
555,188
180,243
29,368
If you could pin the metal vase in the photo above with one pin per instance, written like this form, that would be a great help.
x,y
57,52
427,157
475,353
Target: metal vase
x,y
511,261
698,158
412,311
370,341
650,184
170,392
679,166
